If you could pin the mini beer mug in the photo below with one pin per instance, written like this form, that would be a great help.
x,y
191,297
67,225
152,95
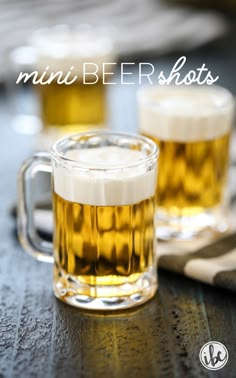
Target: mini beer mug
x,y
103,187
81,104
191,126
65,65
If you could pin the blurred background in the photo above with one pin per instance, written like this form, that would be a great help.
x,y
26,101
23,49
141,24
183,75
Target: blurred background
x,y
154,31
157,31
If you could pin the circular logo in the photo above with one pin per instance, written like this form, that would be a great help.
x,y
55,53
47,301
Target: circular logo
x,y
213,355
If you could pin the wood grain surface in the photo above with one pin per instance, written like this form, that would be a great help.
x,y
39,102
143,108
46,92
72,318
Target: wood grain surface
x,y
42,337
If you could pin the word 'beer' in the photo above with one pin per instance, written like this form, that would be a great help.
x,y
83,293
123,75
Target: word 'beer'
x,y
192,127
104,223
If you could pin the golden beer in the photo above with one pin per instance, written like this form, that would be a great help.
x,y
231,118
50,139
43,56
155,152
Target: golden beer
x,y
106,245
192,128
73,107
193,175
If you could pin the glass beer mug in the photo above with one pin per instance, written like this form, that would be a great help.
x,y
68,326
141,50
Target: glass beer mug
x,y
65,105
192,127
81,105
103,188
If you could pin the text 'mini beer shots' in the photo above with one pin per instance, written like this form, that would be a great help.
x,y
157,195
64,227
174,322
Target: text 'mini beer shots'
x,y
191,126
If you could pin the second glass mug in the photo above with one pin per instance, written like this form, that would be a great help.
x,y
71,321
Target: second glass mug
x,y
103,187
192,127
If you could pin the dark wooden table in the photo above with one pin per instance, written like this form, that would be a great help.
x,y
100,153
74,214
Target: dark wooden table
x,y
41,337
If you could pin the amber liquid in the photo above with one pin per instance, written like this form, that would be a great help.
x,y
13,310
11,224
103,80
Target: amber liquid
x,y
192,175
103,245
75,107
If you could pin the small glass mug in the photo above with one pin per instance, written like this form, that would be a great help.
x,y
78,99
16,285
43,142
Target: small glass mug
x,y
192,127
103,187
59,103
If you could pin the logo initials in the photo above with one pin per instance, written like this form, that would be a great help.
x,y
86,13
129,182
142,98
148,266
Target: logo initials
x,y
213,355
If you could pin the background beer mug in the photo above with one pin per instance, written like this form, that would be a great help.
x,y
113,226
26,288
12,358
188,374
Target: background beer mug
x,y
78,106
191,126
104,208
66,108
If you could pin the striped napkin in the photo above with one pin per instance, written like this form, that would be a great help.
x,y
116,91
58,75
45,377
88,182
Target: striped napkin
x,y
214,263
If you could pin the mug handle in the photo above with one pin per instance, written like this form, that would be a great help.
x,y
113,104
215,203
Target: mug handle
x,y
29,238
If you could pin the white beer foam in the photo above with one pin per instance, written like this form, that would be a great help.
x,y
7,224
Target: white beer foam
x,y
185,114
61,49
105,188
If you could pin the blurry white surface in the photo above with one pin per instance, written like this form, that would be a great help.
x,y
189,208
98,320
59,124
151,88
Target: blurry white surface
x,y
143,27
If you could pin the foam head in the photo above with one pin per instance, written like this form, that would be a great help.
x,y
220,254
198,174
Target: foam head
x,y
184,113
62,47
108,176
